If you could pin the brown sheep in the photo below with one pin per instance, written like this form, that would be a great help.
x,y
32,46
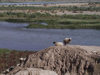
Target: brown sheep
x,y
67,41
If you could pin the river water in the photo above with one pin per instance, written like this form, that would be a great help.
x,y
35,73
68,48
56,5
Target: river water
x,y
27,3
16,36
48,2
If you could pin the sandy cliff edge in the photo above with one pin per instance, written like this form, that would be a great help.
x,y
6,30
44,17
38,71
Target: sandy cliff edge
x,y
65,60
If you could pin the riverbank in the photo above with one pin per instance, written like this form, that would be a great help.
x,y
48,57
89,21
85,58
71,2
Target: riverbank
x,y
54,16
56,9
49,21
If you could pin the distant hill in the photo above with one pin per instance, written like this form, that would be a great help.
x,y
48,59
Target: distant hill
x,y
49,0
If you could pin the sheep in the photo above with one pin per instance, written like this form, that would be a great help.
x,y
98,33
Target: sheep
x,y
58,43
67,41
6,71
11,68
22,61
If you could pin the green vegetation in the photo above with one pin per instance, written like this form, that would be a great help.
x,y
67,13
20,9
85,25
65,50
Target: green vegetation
x,y
67,22
17,17
10,58
4,51
61,8
37,20
87,26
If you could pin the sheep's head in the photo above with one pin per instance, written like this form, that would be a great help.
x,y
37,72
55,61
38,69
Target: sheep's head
x,y
54,42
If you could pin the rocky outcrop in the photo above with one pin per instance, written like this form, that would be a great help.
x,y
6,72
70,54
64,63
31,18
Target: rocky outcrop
x,y
35,71
64,60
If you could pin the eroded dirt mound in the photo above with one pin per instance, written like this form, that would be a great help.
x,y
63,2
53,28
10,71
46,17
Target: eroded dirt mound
x,y
66,60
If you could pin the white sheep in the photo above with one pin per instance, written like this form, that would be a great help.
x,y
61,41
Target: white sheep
x,y
67,41
22,60
6,71
58,43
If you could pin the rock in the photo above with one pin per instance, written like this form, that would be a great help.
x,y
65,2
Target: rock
x,y
64,60
35,71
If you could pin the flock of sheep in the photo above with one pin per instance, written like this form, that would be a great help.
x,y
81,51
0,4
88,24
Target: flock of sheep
x,y
65,42
22,60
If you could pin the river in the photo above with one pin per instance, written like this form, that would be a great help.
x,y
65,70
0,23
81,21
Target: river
x,y
16,36
48,2
27,3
